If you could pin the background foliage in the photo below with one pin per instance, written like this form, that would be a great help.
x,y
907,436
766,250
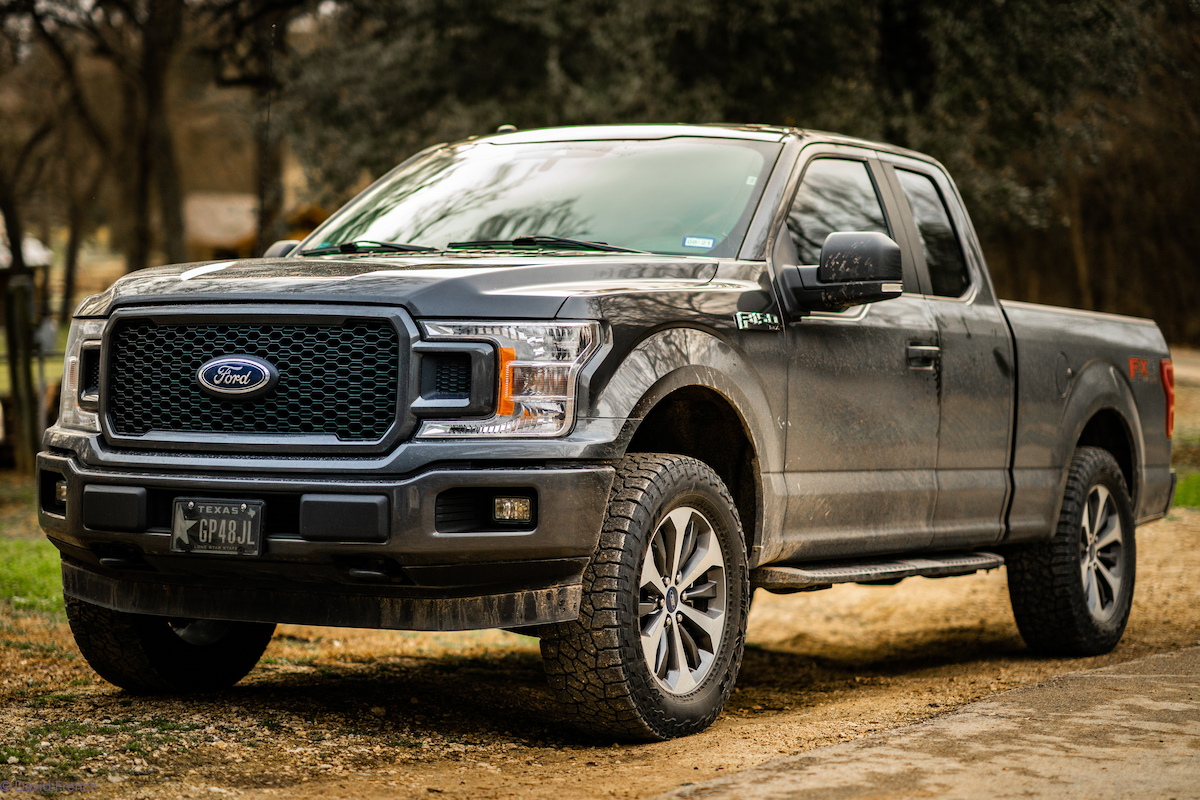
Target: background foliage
x,y
1069,126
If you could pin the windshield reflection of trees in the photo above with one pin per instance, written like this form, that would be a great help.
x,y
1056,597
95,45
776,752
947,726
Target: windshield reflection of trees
x,y
544,219
827,204
557,219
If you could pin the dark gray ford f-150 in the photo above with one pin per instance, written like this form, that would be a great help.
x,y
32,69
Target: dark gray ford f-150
x,y
596,384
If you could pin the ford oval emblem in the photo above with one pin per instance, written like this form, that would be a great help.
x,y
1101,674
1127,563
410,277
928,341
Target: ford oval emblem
x,y
237,377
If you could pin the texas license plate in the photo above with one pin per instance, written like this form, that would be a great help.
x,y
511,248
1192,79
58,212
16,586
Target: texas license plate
x,y
207,525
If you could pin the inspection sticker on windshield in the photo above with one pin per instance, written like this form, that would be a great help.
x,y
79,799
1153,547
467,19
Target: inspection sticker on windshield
x,y
699,241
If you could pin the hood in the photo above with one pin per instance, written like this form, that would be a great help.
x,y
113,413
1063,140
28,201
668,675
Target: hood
x,y
440,285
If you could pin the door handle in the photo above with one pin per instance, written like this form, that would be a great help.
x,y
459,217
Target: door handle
x,y
922,356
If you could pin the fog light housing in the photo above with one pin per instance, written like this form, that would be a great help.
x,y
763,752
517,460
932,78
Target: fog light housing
x,y
60,492
512,509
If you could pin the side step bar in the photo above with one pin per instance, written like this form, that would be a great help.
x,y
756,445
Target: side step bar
x,y
782,578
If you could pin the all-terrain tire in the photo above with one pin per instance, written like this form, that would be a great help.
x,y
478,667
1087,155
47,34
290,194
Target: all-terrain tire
x,y
1048,581
596,665
156,655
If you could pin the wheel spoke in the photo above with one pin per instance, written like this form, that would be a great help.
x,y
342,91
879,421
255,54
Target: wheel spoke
x,y
1092,591
651,577
1113,582
702,561
653,642
690,648
680,519
1086,521
711,625
701,591
1110,533
684,682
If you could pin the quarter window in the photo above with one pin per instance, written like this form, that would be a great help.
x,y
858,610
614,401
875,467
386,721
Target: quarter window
x,y
943,253
837,195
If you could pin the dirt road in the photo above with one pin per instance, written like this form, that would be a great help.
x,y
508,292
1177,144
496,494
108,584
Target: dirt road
x,y
339,712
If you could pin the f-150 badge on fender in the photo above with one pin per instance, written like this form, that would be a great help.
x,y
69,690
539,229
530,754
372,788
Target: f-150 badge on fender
x,y
237,377
757,321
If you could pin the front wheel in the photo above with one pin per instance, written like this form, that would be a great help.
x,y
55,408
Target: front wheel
x,y
158,655
1072,595
662,625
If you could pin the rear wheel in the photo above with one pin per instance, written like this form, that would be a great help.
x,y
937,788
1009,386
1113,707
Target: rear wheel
x,y
150,655
1072,595
659,639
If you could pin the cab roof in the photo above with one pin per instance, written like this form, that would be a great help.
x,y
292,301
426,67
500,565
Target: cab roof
x,y
752,132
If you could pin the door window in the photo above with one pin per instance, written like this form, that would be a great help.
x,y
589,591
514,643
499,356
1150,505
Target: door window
x,y
836,195
943,253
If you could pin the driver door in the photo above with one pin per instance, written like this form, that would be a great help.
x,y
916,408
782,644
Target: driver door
x,y
862,427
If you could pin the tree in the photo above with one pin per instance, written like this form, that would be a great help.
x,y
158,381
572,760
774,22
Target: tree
x,y
140,40
247,41
30,104
973,84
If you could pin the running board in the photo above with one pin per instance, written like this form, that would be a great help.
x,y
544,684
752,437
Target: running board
x,y
781,578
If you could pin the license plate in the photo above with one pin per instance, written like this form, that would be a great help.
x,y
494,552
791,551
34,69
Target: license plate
x,y
226,527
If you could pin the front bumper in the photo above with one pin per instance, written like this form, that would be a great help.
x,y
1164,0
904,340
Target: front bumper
x,y
415,577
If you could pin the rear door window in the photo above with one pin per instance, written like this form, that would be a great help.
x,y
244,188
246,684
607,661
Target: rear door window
x,y
944,260
836,195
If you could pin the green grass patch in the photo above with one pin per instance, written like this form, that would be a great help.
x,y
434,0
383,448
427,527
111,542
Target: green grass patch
x,y
30,576
1187,491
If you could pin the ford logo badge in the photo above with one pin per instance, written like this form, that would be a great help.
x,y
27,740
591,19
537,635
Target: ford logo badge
x,y
237,377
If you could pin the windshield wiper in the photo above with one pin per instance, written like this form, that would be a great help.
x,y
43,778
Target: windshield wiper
x,y
544,241
367,246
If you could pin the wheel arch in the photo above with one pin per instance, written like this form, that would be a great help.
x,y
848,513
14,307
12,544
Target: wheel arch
x,y
1102,412
688,392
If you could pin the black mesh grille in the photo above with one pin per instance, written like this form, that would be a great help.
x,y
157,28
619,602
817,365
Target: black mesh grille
x,y
333,379
453,376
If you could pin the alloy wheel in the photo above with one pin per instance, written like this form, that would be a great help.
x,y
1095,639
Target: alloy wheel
x,y
1101,552
682,600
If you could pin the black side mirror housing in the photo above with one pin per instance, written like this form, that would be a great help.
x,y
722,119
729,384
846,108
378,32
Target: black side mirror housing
x,y
856,268
281,248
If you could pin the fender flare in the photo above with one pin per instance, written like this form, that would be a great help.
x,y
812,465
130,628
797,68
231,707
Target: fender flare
x,y
1100,386
680,358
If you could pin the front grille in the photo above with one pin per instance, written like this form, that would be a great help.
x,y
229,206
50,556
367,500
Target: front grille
x,y
338,379
453,376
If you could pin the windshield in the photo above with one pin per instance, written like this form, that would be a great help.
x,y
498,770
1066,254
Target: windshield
x,y
685,196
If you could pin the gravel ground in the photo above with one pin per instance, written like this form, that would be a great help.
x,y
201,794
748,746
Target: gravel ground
x,y
335,712
340,712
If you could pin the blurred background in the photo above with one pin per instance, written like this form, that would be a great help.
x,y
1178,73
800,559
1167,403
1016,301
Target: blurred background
x,y
143,132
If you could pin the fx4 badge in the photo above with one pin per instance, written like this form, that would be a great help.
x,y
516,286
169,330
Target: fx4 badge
x,y
757,321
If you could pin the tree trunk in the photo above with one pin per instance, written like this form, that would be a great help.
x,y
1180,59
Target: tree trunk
x,y
1078,246
137,184
170,194
75,222
159,38
269,164
18,329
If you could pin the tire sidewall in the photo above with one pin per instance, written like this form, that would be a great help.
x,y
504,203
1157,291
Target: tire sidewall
x,y
666,713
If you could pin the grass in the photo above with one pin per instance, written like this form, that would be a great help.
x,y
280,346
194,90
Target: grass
x,y
30,577
1187,491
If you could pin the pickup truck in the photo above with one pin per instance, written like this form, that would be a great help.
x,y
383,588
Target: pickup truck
x,y
596,385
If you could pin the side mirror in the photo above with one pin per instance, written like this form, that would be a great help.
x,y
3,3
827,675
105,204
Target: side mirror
x,y
855,268
281,248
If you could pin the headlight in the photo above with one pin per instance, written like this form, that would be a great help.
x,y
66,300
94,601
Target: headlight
x,y
538,366
77,374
